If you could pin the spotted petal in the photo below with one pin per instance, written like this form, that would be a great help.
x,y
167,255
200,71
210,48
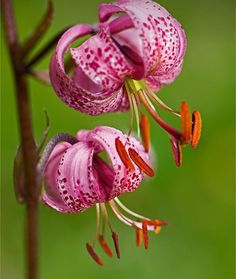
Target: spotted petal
x,y
51,196
76,177
160,39
73,91
102,61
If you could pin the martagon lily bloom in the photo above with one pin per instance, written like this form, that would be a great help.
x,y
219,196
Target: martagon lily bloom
x,y
135,50
76,177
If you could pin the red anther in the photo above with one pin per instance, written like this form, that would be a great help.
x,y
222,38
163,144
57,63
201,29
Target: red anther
x,y
105,246
123,154
145,233
93,254
145,132
176,150
186,122
157,223
161,223
196,127
116,243
139,237
138,160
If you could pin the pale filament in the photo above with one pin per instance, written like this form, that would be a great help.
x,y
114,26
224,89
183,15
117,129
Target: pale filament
x,y
131,114
119,215
97,223
133,105
136,113
127,220
134,214
159,102
105,217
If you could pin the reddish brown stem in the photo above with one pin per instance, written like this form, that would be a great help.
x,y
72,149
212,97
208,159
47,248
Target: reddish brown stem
x,y
26,135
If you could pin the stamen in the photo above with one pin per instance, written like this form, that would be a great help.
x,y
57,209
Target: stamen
x,y
139,237
105,246
177,151
145,132
160,223
93,254
151,224
114,235
145,234
130,88
137,159
123,154
197,127
97,223
136,113
119,215
105,217
126,209
116,243
186,122
131,114
158,101
157,118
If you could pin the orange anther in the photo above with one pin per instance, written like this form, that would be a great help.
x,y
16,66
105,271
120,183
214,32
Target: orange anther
x,y
145,132
145,233
176,150
105,246
93,254
138,160
197,127
123,154
139,237
186,122
116,243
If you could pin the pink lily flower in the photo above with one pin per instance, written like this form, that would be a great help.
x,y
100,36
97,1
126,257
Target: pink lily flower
x,y
145,43
76,178
128,58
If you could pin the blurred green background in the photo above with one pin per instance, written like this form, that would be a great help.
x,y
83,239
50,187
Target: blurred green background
x,y
197,199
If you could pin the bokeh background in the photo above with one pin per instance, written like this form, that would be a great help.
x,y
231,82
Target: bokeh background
x,y
197,199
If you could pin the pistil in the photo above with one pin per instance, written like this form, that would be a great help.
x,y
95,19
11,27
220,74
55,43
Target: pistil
x,y
172,131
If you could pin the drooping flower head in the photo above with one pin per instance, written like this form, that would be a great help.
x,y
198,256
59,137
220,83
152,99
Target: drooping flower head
x,y
135,49
76,177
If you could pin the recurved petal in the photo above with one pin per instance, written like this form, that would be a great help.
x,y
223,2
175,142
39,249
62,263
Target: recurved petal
x,y
51,195
73,91
102,61
157,81
163,41
77,183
